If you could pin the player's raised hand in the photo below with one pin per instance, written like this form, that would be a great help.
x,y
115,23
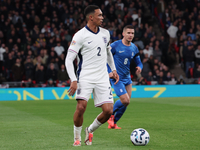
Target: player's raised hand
x,y
138,70
115,76
72,89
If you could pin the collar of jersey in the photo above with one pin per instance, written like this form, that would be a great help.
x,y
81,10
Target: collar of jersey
x,y
91,30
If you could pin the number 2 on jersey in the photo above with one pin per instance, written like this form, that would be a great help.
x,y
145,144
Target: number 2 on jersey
x,y
99,50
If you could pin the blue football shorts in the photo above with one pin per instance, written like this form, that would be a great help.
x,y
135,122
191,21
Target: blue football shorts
x,y
120,86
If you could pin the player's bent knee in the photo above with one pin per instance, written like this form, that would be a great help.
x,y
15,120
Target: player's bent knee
x,y
80,109
108,112
126,101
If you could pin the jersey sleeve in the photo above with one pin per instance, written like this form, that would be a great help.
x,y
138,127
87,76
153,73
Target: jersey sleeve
x,y
113,50
110,60
137,59
69,65
136,49
73,50
76,43
108,39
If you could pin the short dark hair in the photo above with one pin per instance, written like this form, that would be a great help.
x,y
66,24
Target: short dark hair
x,y
128,27
90,9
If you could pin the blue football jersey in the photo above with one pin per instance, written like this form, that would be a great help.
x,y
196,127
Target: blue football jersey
x,y
123,55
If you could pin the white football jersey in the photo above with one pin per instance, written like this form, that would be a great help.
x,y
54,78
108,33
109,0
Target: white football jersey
x,y
91,49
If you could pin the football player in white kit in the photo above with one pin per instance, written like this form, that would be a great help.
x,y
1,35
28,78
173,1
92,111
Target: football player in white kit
x,y
91,46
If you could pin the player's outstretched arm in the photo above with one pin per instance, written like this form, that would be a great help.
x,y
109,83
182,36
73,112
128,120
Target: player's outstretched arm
x,y
110,60
138,63
70,70
111,64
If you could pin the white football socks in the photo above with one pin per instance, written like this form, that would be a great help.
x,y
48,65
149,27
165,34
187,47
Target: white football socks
x,y
77,133
77,130
95,125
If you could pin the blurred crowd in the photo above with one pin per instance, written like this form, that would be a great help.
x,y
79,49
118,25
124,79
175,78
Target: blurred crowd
x,y
35,36
180,20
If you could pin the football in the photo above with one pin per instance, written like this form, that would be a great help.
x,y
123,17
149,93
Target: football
x,y
140,137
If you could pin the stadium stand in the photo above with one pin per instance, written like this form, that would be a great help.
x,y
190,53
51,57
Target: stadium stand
x,y
35,35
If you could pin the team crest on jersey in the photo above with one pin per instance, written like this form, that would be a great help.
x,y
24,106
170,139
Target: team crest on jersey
x,y
78,91
73,42
104,39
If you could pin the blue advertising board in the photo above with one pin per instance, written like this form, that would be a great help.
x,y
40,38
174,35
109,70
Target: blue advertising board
x,y
57,93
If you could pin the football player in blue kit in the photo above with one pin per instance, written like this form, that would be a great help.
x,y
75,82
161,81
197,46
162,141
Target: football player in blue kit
x,y
123,52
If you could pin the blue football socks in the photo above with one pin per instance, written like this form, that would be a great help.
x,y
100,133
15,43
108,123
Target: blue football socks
x,y
118,110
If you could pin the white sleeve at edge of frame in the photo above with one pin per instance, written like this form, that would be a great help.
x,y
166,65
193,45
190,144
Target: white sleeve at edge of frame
x,y
110,60
70,66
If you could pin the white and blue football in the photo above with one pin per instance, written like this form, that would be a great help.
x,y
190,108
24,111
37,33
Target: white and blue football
x,y
140,137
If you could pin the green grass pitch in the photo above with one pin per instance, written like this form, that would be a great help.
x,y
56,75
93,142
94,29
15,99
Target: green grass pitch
x,y
173,124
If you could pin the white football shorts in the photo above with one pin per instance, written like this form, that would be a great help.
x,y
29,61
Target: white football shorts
x,y
102,92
